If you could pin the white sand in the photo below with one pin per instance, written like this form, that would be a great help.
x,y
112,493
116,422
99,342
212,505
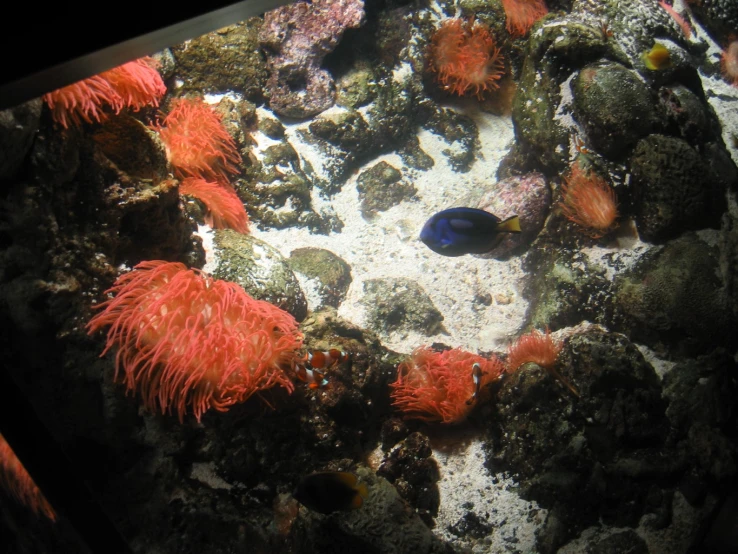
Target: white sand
x,y
388,246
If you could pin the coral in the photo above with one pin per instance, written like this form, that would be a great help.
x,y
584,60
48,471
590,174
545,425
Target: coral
x,y
187,341
522,14
686,29
198,145
729,63
465,57
225,209
296,37
438,386
132,85
18,483
588,201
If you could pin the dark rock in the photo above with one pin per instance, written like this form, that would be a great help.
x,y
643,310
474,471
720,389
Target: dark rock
x,y
674,295
413,471
586,457
17,128
675,190
615,107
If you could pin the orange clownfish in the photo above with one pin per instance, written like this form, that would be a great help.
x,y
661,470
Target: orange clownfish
x,y
315,379
322,359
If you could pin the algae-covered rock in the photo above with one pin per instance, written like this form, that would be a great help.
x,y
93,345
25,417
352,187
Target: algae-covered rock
x,y
675,189
260,269
614,106
461,134
400,305
356,88
565,289
327,275
228,59
541,134
675,295
381,187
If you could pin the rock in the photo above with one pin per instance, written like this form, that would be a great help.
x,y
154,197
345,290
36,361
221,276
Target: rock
x,y
675,189
225,60
380,188
526,196
385,523
674,295
17,128
327,275
400,305
614,106
260,269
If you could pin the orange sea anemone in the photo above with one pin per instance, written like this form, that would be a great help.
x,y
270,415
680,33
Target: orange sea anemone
x,y
225,209
438,386
540,349
588,201
729,63
678,18
198,145
465,57
522,14
132,85
18,483
187,341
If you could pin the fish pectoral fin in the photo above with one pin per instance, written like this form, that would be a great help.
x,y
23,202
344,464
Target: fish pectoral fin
x,y
510,225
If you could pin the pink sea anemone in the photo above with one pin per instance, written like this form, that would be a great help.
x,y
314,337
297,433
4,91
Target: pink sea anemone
x,y
589,201
438,386
522,14
729,63
465,57
187,341
198,145
17,482
225,209
132,85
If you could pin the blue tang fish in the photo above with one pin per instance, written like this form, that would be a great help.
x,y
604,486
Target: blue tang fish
x,y
459,231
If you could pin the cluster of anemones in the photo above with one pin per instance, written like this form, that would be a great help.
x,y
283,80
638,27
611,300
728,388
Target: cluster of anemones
x,y
465,57
203,155
445,385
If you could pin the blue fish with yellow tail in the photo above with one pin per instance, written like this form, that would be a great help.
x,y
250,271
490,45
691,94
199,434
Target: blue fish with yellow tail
x,y
459,231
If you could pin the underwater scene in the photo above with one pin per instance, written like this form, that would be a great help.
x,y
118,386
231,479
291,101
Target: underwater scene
x,y
381,276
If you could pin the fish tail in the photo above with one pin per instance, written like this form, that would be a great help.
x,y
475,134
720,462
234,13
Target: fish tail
x,y
510,225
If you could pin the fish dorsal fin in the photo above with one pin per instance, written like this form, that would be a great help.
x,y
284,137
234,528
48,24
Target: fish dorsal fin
x,y
460,224
348,479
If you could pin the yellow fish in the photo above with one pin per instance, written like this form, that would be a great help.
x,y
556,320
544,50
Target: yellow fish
x,y
657,58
